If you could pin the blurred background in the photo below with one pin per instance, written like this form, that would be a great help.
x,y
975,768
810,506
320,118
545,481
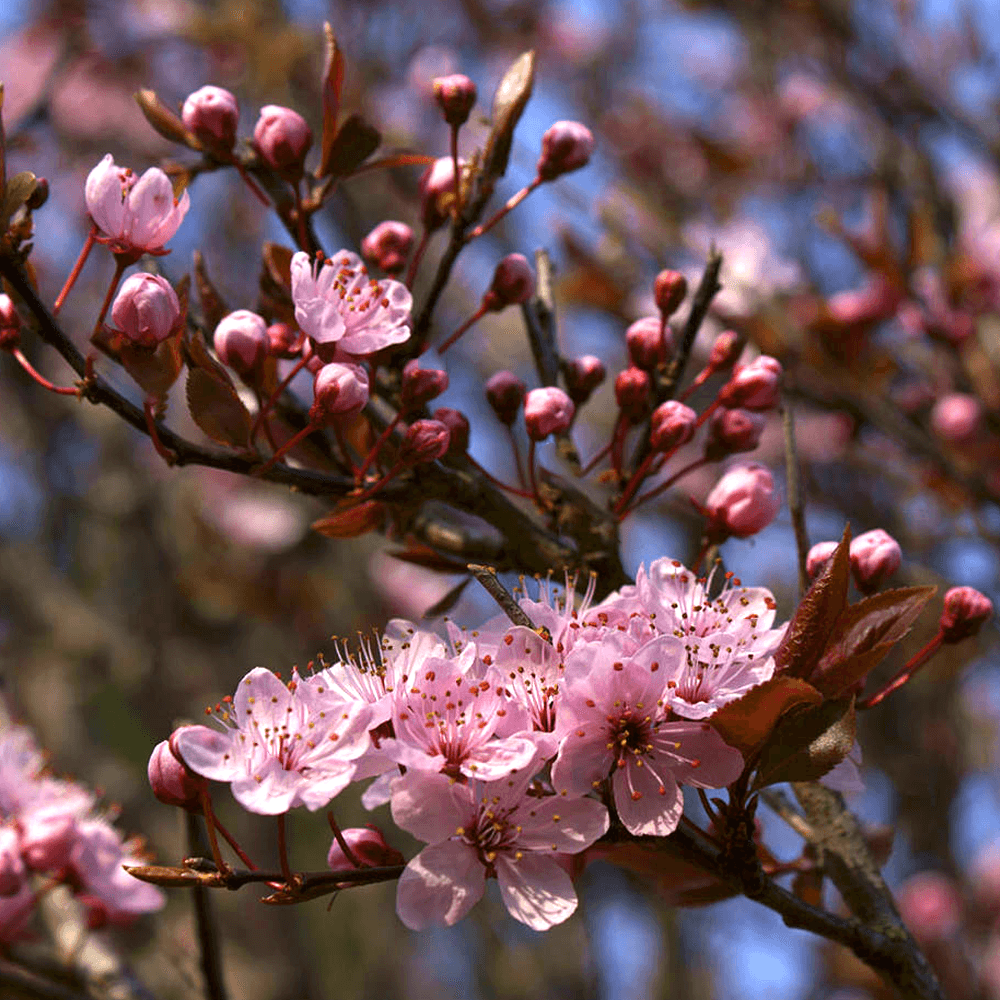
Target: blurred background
x,y
845,158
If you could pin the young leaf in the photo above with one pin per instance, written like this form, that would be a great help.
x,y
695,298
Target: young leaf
x,y
16,192
164,120
450,599
350,519
333,84
747,722
356,140
213,306
214,403
509,102
155,371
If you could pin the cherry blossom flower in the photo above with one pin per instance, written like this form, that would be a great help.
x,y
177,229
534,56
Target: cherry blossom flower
x,y
279,747
613,724
136,214
489,829
344,311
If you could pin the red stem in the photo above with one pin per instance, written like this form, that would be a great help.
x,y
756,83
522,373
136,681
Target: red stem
x,y
77,268
41,379
496,482
517,455
342,843
148,407
532,481
300,219
206,808
376,448
456,211
664,486
286,869
251,183
286,447
373,489
712,407
275,396
597,457
918,660
510,206
120,264
417,257
231,840
477,315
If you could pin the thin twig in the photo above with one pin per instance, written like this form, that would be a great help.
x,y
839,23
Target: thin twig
x,y
778,802
796,499
487,576
208,938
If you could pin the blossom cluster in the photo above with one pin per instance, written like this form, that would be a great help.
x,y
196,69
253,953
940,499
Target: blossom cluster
x,y
51,827
508,748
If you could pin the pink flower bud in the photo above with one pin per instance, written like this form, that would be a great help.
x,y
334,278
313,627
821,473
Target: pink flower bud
x,y
339,391
12,874
421,385
875,556
212,114
632,389
966,610
671,425
876,300
388,245
425,441
725,351
284,340
458,426
146,310
818,556
547,411
368,846
756,386
505,393
456,96
10,324
649,342
172,783
513,283
669,290
437,192
957,418
241,341
566,146
930,906
742,503
732,432
282,137
583,376
47,839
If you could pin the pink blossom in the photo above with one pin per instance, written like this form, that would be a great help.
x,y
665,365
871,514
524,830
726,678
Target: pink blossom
x,y
613,724
493,829
339,391
957,418
146,310
743,502
437,192
12,873
338,305
279,748
136,215
931,906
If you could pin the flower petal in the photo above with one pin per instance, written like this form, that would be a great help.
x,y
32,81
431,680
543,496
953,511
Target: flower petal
x,y
440,885
535,890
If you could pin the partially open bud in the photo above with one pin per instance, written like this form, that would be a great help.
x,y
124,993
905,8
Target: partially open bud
x,y
742,503
632,393
456,97
819,555
368,846
513,283
583,376
669,290
12,872
957,418
732,432
421,385
284,340
458,426
547,411
875,556
505,393
425,441
212,114
146,310
566,146
339,391
241,341
10,324
966,611
172,783
671,425
388,245
283,138
649,342
437,192
756,386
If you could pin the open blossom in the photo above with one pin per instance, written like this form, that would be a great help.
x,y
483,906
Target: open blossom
x,y
613,724
279,748
135,214
489,829
344,311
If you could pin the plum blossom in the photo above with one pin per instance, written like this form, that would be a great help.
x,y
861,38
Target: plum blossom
x,y
344,311
280,746
492,829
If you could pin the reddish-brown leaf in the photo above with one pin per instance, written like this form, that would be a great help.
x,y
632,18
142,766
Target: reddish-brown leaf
x,y
808,886
217,409
356,140
424,555
394,160
333,85
350,519
213,306
154,371
812,624
747,722
509,103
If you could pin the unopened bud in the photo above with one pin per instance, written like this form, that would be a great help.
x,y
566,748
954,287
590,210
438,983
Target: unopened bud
x,y
756,386
957,418
284,340
966,611
10,324
632,393
458,426
456,97
146,310
725,351
649,342
583,376
930,906
875,556
339,391
212,114
421,385
547,411
669,290
566,146
12,872
241,341
388,245
172,783
513,283
819,555
671,425
732,432
742,503
425,441
505,393
368,846
283,138
437,192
